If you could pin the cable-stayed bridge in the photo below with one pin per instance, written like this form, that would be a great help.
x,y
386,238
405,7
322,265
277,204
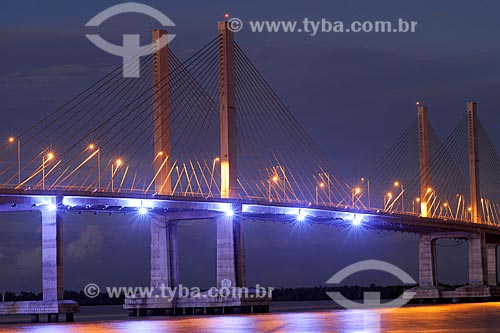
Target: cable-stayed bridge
x,y
208,138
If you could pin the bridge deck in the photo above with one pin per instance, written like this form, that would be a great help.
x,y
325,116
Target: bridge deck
x,y
193,208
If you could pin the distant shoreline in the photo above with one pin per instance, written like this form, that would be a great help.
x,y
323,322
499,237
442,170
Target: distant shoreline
x,y
318,293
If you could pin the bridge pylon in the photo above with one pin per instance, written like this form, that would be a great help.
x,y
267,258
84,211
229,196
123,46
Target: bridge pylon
x,y
161,113
227,105
425,172
474,187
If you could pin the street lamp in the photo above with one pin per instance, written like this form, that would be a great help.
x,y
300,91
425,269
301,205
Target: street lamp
x,y
355,192
398,184
92,147
118,162
328,185
275,179
417,200
217,159
387,199
369,194
45,159
12,140
445,206
317,192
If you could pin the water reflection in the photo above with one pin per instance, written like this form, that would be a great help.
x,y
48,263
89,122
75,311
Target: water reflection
x,y
437,318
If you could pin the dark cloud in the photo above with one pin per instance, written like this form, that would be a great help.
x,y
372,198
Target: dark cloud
x,y
90,242
29,259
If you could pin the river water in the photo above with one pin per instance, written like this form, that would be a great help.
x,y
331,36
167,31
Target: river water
x,y
285,317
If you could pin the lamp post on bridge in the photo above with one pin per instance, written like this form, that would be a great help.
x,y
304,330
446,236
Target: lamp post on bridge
x,y
12,140
92,147
446,207
45,159
328,183
469,209
355,192
400,186
317,191
217,159
368,189
113,173
387,199
275,180
417,200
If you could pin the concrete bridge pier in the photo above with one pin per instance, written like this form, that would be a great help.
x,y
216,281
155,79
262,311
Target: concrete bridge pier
x,y
52,265
52,304
164,253
164,270
230,295
491,253
427,267
482,268
231,269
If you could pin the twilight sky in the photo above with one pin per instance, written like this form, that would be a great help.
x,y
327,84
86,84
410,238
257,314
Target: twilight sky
x,y
353,92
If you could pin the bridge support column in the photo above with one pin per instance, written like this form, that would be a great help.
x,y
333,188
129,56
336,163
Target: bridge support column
x,y
52,258
164,253
427,271
230,269
491,252
427,264
52,303
230,252
477,260
482,268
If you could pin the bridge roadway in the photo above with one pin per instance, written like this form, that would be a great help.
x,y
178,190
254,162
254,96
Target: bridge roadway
x,y
198,207
483,241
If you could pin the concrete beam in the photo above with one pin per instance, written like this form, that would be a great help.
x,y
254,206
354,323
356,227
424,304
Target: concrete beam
x,y
186,203
450,235
294,211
